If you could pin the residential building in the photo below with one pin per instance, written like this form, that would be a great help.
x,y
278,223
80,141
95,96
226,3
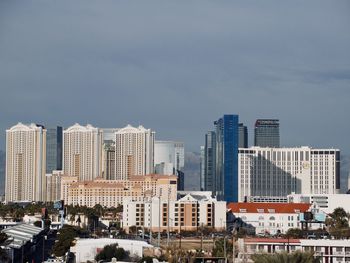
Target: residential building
x,y
278,172
242,136
267,133
328,250
54,143
82,152
134,152
209,161
25,163
190,212
269,218
66,182
111,193
170,152
226,176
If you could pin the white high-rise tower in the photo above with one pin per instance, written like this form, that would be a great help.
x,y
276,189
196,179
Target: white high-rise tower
x,y
82,152
134,152
25,163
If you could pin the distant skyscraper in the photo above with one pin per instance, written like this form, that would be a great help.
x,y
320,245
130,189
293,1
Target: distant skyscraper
x,y
201,167
134,152
226,176
242,136
209,161
53,149
267,133
109,161
25,163
82,152
170,153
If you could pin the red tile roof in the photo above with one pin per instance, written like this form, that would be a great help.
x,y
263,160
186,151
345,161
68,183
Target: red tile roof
x,y
271,240
280,208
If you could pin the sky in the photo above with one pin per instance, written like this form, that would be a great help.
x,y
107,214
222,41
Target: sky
x,y
176,66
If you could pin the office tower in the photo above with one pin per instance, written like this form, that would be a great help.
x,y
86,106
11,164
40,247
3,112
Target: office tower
x,y
82,152
53,149
242,136
201,167
109,161
226,176
25,163
209,161
267,133
134,152
278,172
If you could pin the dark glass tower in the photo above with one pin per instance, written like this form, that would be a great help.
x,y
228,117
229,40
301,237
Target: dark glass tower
x,y
267,133
209,161
242,136
53,149
226,177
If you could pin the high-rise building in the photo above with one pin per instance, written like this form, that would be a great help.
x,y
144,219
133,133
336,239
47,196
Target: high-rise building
x,y
226,176
109,161
82,152
25,163
134,152
53,149
209,161
278,172
201,168
169,152
267,133
242,136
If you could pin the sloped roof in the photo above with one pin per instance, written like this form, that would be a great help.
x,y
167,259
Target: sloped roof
x,y
279,208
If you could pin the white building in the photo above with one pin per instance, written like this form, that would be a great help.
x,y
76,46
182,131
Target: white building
x,y
82,152
329,250
325,202
271,218
169,155
53,186
134,152
187,213
277,172
25,163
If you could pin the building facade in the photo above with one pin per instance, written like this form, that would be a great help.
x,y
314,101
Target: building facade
x,y
209,165
269,218
134,152
242,136
190,212
25,163
54,144
226,175
267,133
111,193
82,152
53,188
109,161
278,172
169,153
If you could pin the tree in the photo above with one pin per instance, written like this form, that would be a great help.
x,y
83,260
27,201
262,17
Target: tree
x,y
338,223
294,233
3,254
111,251
295,257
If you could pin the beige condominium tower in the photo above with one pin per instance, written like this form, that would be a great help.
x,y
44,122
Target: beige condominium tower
x,y
25,163
82,152
134,152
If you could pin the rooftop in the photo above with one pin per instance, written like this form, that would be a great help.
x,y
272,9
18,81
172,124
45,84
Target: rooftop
x,y
279,208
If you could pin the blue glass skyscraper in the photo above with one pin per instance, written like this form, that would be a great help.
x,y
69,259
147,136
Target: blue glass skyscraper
x,y
53,149
226,177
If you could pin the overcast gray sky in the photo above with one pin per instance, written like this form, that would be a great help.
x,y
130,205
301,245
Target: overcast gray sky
x,y
175,66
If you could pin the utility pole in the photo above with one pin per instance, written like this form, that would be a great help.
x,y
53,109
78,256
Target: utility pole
x,y
168,214
159,224
225,253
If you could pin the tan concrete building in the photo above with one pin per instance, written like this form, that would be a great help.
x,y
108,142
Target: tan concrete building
x,y
25,163
82,152
111,193
134,152
187,213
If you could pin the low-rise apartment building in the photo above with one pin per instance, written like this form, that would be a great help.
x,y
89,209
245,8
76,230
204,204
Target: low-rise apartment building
x,y
190,212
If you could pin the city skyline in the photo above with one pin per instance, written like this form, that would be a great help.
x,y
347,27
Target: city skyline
x,y
196,61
